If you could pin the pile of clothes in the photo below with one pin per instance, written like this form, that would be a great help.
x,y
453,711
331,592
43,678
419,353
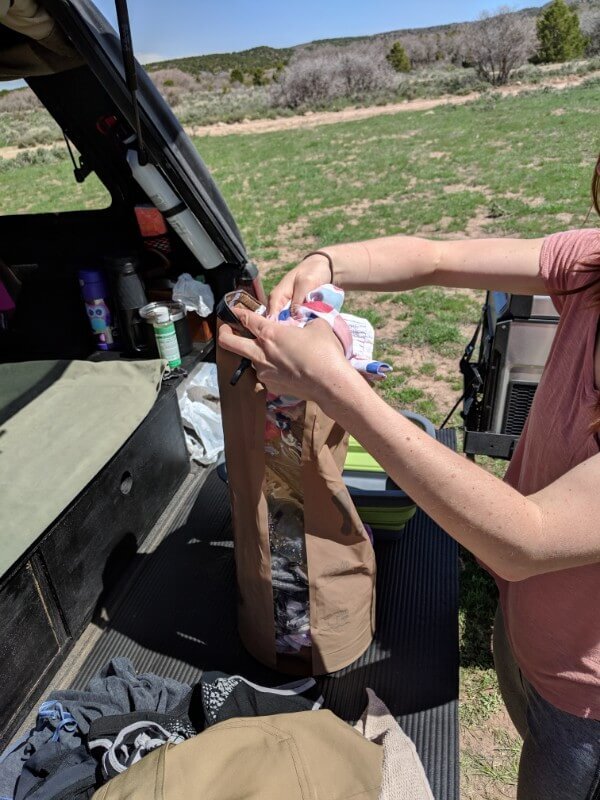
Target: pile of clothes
x,y
81,739
113,740
289,577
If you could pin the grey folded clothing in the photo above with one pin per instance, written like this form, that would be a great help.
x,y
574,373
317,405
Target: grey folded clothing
x,y
118,689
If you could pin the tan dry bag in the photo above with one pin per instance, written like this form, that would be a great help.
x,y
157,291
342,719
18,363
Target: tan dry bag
x,y
304,562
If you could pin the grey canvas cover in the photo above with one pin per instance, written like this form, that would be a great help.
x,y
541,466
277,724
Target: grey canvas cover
x,y
41,48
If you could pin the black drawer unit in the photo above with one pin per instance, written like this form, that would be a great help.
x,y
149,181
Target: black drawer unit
x,y
31,642
48,598
113,515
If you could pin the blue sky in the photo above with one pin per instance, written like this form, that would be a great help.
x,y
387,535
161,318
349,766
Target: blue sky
x,y
193,27
210,26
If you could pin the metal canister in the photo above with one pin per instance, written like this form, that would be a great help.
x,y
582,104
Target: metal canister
x,y
177,315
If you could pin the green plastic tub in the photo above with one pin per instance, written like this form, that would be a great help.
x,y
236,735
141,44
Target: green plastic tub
x,y
381,504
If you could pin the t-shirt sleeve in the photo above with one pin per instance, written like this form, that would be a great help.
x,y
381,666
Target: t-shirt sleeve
x,y
561,261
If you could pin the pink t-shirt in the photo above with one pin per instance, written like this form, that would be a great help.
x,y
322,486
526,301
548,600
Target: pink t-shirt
x,y
553,620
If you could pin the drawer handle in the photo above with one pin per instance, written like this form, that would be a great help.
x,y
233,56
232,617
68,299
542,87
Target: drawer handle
x,y
126,483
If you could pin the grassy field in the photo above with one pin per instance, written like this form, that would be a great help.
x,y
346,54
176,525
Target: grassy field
x,y
495,167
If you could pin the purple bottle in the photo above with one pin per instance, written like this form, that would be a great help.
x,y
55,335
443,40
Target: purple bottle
x,y
95,296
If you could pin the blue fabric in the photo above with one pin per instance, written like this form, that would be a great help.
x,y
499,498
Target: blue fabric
x,y
560,759
54,724
57,771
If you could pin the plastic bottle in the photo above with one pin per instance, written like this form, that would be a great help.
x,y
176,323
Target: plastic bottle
x,y
166,338
95,294
179,216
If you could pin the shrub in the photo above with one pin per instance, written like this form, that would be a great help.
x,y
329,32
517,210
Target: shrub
x,y
427,48
18,100
363,71
173,80
593,46
42,134
334,72
500,42
398,58
560,37
259,78
306,82
236,75
30,158
589,20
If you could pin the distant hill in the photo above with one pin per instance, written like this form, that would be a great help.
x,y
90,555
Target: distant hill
x,y
246,60
271,57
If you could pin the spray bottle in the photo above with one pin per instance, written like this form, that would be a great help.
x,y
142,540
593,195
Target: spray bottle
x,y
166,338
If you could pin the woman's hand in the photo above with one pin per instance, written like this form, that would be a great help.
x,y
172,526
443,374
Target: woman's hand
x,y
301,362
312,272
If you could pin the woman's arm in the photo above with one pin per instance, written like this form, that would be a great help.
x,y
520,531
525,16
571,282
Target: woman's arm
x,y
514,535
397,263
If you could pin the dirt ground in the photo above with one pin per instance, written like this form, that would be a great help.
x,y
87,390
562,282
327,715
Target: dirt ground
x,y
313,119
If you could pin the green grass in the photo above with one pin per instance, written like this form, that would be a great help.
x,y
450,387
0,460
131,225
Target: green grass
x,y
37,188
428,368
377,176
502,768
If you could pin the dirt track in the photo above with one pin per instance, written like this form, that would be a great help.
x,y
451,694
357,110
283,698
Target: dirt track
x,y
312,119
316,118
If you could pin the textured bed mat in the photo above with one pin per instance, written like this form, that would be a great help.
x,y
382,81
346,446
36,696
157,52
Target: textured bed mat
x,y
179,618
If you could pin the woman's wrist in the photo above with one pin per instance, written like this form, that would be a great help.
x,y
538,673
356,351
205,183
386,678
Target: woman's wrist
x,y
350,264
338,390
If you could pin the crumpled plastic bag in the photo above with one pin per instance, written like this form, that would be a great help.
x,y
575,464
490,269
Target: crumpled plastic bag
x,y
197,296
200,408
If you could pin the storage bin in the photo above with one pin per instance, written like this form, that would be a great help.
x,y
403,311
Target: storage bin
x,y
380,503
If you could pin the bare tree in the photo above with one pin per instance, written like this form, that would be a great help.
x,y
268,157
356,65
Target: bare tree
x,y
500,43
18,100
173,84
590,25
363,68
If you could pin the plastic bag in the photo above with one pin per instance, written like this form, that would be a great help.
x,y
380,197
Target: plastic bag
x,y
200,408
197,296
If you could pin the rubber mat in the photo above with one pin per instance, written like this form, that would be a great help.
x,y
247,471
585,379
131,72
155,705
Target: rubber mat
x,y
179,618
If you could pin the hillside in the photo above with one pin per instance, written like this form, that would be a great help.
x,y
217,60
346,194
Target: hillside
x,y
271,57
246,60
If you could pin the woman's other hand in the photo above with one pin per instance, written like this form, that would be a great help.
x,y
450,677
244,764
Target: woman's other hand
x,y
314,271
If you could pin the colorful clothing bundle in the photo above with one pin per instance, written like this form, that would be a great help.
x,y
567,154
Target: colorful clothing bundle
x,y
355,333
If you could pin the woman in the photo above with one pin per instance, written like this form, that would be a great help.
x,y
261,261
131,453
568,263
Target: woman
x,y
539,531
